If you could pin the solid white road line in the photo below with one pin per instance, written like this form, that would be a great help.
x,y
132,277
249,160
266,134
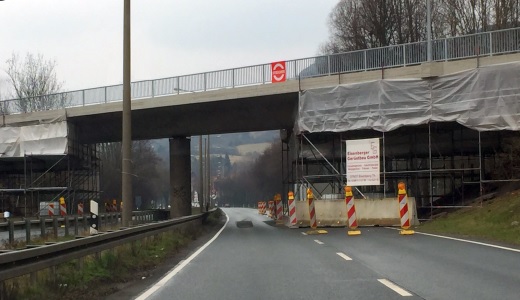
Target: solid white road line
x,y
343,255
471,242
394,287
462,240
319,242
179,267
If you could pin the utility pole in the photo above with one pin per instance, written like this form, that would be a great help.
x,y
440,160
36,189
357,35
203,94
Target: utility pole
x,y
201,177
127,124
208,170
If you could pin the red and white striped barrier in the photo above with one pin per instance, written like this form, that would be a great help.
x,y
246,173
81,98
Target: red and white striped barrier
x,y
404,214
264,208
271,209
51,209
351,212
279,209
259,207
292,210
63,207
312,211
80,208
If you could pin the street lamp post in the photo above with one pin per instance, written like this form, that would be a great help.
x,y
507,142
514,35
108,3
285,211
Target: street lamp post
x,y
126,146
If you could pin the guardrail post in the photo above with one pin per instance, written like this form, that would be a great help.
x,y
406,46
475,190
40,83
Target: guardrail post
x,y
83,97
404,55
490,44
55,227
10,222
233,78
27,231
85,223
263,74
365,59
295,71
42,227
204,82
178,86
76,220
66,220
153,88
106,99
445,49
328,63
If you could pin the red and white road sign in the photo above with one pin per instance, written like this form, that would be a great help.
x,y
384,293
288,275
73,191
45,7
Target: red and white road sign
x,y
278,72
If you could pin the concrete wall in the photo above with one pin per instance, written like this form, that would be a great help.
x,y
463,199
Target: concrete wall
x,y
383,212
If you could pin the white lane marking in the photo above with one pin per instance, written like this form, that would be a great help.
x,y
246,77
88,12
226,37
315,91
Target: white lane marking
x,y
180,266
343,255
465,241
304,233
319,242
394,287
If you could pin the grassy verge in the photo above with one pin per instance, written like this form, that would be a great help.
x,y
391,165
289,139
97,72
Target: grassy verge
x,y
96,276
494,221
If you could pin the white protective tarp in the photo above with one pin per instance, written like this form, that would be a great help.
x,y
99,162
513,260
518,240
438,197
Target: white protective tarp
x,y
483,99
42,139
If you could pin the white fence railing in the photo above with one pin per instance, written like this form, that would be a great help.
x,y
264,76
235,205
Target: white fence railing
x,y
479,44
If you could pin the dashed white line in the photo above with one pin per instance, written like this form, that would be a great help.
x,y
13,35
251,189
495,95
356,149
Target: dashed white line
x,y
304,233
179,267
394,287
343,255
319,242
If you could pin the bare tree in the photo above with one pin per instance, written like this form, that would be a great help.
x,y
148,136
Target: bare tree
x,y
362,24
34,83
150,181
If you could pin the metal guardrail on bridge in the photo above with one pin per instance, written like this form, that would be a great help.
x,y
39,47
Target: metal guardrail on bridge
x,y
453,48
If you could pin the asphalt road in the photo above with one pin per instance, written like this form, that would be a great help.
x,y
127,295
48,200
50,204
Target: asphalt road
x,y
272,262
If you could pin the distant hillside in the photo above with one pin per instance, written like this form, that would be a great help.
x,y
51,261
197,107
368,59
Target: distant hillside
x,y
236,145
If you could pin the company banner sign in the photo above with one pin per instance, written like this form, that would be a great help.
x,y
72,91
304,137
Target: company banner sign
x,y
363,162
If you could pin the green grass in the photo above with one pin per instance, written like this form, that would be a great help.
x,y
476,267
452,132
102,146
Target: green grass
x,y
490,222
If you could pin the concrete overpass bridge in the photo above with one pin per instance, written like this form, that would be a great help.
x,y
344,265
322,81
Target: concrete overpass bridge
x,y
245,99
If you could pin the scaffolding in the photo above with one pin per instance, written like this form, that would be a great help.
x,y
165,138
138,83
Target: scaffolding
x,y
28,180
444,164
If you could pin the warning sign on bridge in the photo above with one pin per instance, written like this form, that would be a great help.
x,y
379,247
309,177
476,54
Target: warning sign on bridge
x,y
278,72
363,162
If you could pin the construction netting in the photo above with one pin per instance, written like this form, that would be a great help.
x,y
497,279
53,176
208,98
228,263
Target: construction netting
x,y
484,99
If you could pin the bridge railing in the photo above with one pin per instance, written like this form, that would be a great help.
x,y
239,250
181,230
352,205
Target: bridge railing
x,y
473,45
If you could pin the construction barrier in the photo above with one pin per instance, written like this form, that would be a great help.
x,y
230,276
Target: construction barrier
x,y
80,208
259,207
351,212
292,210
279,209
271,209
63,207
263,208
51,209
369,212
404,214
312,210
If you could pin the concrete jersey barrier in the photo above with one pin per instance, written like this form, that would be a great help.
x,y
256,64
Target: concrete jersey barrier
x,y
382,212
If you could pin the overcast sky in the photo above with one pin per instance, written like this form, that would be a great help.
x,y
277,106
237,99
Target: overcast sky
x,y
169,37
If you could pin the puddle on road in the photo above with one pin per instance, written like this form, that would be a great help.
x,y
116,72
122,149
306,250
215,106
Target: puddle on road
x,y
244,224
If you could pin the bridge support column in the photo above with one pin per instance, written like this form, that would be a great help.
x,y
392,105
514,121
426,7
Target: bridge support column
x,y
180,177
